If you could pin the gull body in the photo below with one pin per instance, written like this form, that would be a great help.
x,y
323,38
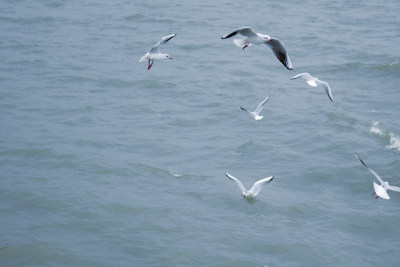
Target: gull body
x,y
314,82
255,113
254,38
255,189
154,53
380,190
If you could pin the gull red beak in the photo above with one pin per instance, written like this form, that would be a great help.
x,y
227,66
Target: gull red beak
x,y
170,58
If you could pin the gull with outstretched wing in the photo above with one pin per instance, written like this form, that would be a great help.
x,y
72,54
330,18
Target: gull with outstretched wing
x,y
154,53
314,82
256,113
253,38
255,189
380,190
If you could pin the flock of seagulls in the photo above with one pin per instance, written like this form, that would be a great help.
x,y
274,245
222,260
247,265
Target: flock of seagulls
x,y
251,37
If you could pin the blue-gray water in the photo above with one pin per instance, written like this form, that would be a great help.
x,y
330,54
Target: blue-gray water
x,y
104,163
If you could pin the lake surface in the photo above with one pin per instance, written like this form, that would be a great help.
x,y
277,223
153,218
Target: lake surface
x,y
104,163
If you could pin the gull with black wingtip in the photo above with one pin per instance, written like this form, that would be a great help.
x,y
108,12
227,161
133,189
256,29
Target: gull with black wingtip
x,y
255,114
314,82
255,189
380,190
154,53
253,38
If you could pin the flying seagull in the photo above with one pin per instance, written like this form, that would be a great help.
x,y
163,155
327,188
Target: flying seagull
x,y
154,53
314,82
253,38
380,190
255,189
256,112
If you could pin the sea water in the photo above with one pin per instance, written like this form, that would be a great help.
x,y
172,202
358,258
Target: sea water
x,y
106,163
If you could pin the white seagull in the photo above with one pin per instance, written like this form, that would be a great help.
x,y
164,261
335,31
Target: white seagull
x,y
251,37
380,190
256,112
255,189
154,53
314,82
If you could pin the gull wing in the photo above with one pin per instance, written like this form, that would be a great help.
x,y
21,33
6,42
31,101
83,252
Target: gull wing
x,y
380,191
372,171
261,106
245,109
237,182
280,52
156,47
325,85
394,188
143,58
306,76
256,188
245,31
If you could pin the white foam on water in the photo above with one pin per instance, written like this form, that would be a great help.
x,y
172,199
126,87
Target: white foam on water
x,y
394,142
393,138
375,129
174,173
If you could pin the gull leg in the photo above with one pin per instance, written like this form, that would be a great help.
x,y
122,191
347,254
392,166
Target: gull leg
x,y
150,64
246,45
376,197
373,193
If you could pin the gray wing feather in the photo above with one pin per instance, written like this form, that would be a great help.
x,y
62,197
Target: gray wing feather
x,y
156,47
371,170
280,52
304,75
394,188
245,31
237,182
325,85
261,106
259,185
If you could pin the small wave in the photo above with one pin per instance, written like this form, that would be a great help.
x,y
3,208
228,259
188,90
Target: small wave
x,y
375,129
134,17
393,138
390,67
394,66
394,142
174,173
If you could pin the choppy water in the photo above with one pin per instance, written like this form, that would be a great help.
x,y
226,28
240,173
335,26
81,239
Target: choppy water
x,y
104,163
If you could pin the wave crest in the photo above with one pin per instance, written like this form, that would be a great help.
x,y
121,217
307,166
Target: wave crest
x,y
393,138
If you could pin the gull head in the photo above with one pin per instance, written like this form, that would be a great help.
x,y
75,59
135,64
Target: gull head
x,y
167,56
385,185
267,38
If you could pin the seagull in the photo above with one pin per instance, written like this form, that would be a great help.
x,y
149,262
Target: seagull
x,y
253,38
380,190
256,112
154,53
255,189
314,82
